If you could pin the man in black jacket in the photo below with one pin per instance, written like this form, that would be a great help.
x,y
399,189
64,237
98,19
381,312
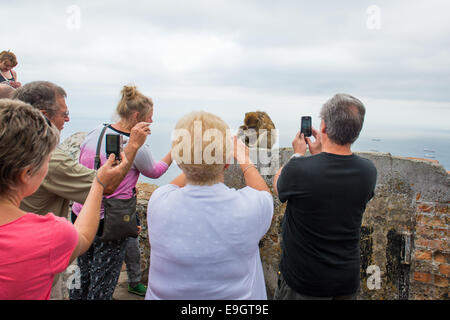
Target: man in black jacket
x,y
326,196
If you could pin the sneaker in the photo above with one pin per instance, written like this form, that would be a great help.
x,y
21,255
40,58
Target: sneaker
x,y
140,289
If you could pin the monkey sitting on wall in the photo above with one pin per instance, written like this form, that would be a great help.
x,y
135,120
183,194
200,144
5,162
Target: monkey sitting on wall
x,y
258,130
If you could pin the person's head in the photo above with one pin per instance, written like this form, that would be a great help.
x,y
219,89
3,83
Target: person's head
x,y
342,118
134,107
6,91
207,131
26,142
8,61
48,98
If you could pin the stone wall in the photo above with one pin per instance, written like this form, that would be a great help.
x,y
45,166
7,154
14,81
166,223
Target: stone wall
x,y
404,236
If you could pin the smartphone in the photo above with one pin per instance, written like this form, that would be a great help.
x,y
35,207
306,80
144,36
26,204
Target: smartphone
x,y
306,126
114,145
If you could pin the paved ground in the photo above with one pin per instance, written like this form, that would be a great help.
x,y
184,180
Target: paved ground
x,y
121,292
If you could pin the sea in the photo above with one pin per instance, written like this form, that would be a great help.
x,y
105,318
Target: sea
x,y
433,147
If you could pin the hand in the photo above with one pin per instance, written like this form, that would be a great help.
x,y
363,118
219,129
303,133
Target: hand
x,y
241,152
299,143
15,84
316,146
139,134
109,171
139,229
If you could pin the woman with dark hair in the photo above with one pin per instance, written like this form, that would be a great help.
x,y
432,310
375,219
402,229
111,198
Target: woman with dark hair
x,y
34,248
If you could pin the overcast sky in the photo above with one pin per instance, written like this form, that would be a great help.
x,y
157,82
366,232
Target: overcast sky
x,y
230,57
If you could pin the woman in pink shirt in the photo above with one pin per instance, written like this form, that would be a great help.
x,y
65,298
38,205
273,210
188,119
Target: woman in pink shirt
x,y
34,248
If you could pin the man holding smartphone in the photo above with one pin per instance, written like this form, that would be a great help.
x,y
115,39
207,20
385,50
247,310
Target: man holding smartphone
x,y
326,196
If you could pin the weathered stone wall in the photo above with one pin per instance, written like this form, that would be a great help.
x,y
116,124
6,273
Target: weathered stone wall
x,y
404,235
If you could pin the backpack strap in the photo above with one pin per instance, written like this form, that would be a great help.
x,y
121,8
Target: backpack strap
x,y
99,144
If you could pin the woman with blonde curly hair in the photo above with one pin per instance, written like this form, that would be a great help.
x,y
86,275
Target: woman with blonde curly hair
x,y
100,266
204,235
8,61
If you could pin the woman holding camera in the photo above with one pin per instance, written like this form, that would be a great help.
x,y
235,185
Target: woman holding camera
x,y
100,265
34,248
205,235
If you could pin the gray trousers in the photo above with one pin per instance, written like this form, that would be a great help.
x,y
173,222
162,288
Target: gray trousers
x,y
133,261
284,292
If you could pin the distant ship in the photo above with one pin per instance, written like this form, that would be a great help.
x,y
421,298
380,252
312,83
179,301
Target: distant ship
x,y
429,155
428,150
376,139
373,150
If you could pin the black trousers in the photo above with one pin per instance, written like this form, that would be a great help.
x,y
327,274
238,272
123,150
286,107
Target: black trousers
x,y
100,269
284,292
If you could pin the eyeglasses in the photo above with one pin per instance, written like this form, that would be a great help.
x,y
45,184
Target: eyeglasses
x,y
65,114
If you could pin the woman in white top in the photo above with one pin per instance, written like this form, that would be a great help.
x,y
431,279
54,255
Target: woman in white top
x,y
204,236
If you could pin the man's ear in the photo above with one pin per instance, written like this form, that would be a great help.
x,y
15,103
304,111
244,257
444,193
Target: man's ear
x,y
323,127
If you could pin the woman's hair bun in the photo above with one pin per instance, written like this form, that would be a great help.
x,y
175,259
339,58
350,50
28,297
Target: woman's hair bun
x,y
132,100
129,92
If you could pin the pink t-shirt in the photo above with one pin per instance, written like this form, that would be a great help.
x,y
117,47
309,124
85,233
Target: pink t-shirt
x,y
33,249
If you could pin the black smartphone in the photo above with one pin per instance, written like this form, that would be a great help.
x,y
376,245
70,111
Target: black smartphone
x,y
114,145
306,126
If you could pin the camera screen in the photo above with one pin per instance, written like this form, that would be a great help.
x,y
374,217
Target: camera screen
x,y
306,126
306,123
112,144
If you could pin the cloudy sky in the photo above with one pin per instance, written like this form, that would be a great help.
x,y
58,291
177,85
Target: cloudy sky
x,y
228,57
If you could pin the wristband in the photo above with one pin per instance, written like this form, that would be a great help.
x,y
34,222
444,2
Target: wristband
x,y
98,180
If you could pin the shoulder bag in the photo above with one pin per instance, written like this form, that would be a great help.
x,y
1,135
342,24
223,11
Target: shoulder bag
x,y
119,220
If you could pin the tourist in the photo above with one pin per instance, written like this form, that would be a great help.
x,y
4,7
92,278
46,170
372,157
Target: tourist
x,y
204,236
100,265
326,196
8,61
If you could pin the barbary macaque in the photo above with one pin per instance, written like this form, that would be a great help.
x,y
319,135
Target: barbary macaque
x,y
258,130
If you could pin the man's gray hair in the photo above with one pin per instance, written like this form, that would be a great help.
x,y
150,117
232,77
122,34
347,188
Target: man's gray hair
x,y
41,95
343,115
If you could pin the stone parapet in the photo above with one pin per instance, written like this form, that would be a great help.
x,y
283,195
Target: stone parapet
x,y
405,241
